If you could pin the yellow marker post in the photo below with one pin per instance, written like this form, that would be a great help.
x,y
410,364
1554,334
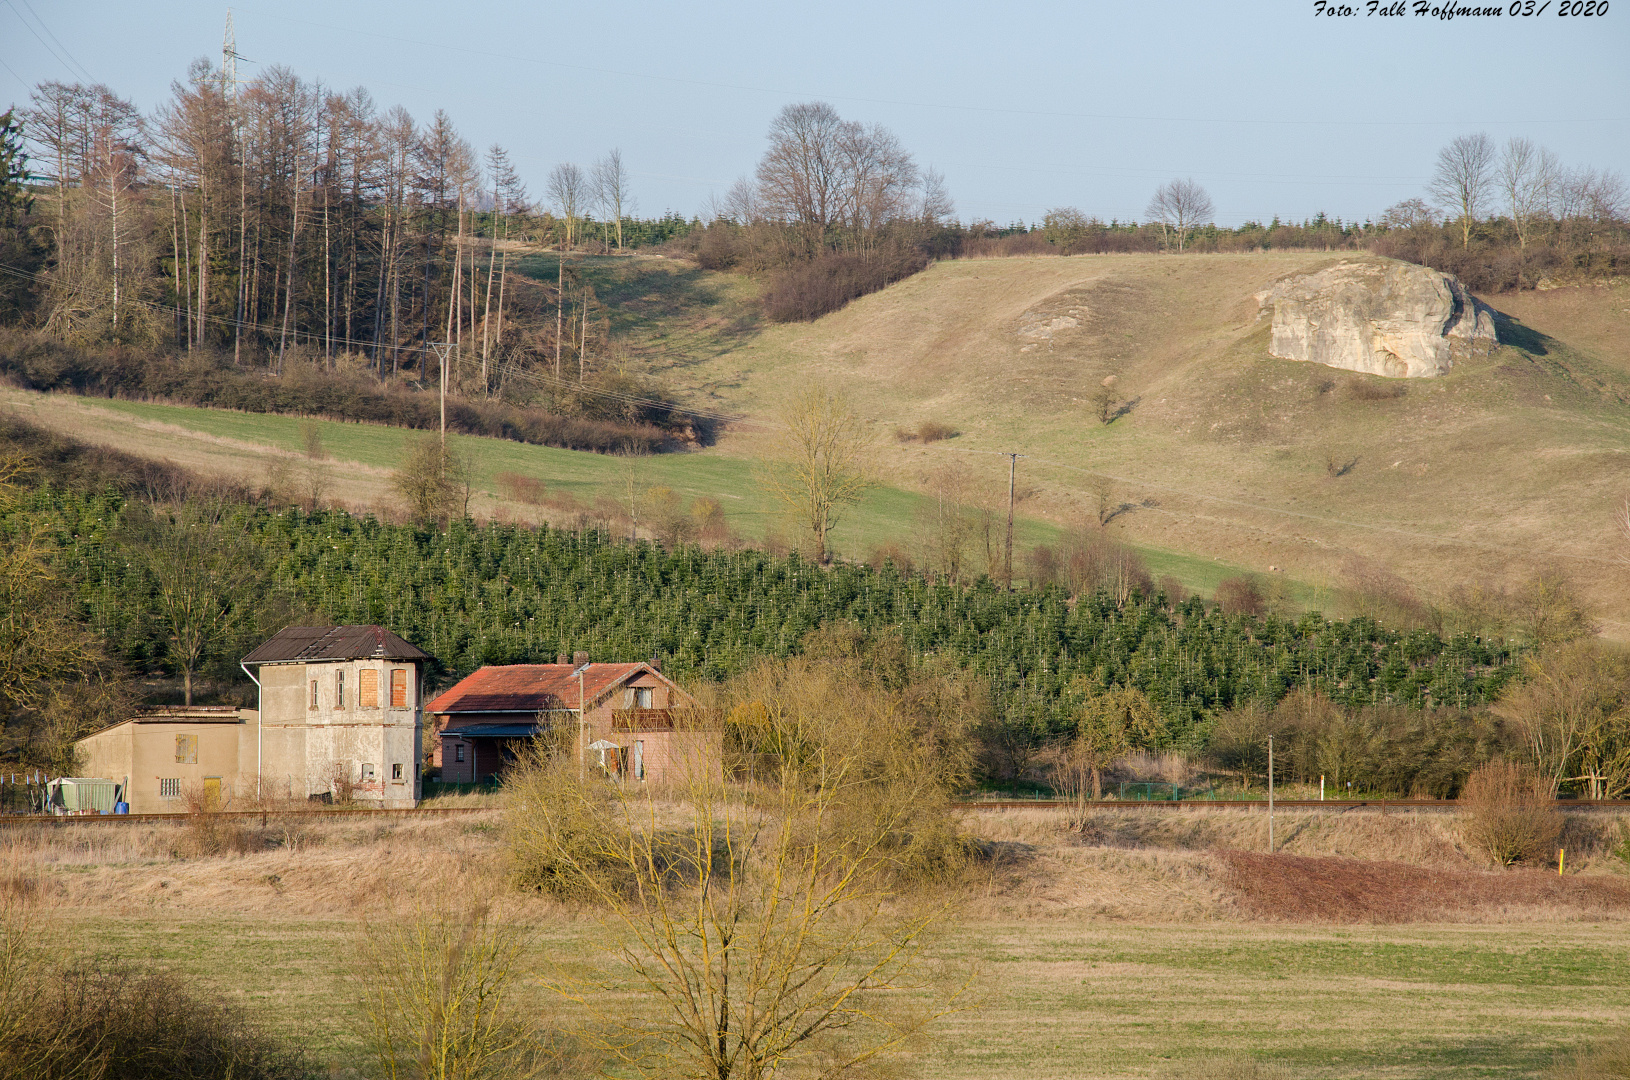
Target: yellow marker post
x,y
1561,855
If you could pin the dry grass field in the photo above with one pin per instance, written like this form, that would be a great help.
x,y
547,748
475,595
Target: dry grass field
x,y
1109,944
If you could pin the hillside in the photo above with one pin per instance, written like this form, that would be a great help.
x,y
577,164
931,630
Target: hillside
x,y
1511,461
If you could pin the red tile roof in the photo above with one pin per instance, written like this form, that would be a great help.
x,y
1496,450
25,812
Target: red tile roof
x,y
532,688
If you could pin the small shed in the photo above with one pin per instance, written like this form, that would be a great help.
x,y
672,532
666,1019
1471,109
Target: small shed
x,y
82,795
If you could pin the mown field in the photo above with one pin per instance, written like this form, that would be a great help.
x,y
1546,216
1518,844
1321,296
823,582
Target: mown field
x,y
1118,951
1062,999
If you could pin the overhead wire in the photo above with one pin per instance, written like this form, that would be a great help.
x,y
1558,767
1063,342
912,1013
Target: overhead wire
x,y
1322,122
80,73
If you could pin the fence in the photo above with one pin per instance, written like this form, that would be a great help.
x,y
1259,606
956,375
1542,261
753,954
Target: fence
x,y
23,793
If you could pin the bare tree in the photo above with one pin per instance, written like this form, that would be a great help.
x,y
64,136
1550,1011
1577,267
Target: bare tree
x,y
611,189
818,465
949,520
1526,176
879,179
1591,194
800,177
937,206
568,190
438,992
206,578
1179,206
766,936
1406,214
1460,183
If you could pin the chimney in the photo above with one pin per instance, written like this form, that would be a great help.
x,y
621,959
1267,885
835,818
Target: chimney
x,y
563,658
580,658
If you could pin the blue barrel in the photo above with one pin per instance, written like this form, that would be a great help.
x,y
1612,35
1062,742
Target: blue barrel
x,y
121,808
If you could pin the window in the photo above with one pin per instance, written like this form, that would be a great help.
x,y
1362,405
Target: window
x,y
642,697
399,688
396,773
339,689
170,789
458,752
313,693
639,759
367,772
368,688
186,749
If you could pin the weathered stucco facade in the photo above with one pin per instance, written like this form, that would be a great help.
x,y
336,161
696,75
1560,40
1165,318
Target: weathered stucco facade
x,y
170,760
339,719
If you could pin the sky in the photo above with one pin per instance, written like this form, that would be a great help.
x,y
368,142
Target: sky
x,y
1274,108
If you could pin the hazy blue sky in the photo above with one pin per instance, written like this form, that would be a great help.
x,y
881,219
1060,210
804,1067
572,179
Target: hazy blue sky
x,y
1274,109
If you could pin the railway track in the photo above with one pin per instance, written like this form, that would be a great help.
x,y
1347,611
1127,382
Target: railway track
x,y
1262,804
267,816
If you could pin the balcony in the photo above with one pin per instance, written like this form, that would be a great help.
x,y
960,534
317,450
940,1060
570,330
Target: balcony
x,y
642,720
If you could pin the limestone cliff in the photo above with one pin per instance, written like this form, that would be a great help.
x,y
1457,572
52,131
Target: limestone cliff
x,y
1378,316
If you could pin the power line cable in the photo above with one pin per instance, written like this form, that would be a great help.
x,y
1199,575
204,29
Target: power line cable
x,y
83,70
939,105
48,47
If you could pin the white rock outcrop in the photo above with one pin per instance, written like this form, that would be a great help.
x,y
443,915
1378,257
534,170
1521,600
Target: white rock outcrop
x,y
1378,316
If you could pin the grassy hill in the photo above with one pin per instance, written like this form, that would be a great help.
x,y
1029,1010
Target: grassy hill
x,y
360,457
1221,459
1223,451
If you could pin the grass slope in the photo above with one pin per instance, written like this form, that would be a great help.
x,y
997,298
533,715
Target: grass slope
x,y
1511,459
361,457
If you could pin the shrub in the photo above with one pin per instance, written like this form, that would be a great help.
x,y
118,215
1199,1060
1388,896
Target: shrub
x,y
805,291
933,431
1241,596
106,1017
1606,1060
521,488
604,423
1510,814
556,824
1173,590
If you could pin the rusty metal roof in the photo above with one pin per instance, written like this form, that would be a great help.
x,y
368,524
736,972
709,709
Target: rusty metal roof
x,y
296,644
534,688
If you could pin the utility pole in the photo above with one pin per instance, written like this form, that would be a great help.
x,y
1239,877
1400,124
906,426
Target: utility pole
x,y
560,313
443,349
1007,555
1270,794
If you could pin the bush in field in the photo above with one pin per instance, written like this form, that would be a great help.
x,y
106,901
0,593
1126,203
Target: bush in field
x,y
104,1018
805,291
1606,1060
1241,596
1510,814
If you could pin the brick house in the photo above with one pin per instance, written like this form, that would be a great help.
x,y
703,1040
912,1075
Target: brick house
x,y
621,718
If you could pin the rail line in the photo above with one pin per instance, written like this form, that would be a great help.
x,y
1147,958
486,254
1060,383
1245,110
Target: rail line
x,y
1262,804
366,814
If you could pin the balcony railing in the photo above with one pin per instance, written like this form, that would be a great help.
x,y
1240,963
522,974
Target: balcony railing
x,y
642,720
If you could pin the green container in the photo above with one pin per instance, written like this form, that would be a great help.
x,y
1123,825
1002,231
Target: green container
x,y
77,793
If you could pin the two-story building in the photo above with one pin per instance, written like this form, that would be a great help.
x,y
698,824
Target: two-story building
x,y
627,719
339,717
